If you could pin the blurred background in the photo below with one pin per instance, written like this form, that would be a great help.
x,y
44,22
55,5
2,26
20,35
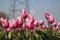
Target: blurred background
x,y
12,8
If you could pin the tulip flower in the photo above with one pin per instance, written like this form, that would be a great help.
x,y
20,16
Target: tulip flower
x,y
30,25
50,19
5,23
11,23
46,15
1,19
58,24
24,25
24,13
43,26
18,29
36,23
39,28
8,29
54,30
31,18
57,28
41,22
54,24
19,20
14,24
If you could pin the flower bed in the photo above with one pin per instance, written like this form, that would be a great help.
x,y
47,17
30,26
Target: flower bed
x,y
25,27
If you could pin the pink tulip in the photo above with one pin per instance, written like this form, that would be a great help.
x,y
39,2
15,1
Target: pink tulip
x,y
54,24
46,15
43,26
58,24
24,25
18,29
57,28
4,23
50,19
1,19
54,30
27,20
36,23
30,18
19,20
14,24
8,29
41,22
30,25
24,13
11,25
39,28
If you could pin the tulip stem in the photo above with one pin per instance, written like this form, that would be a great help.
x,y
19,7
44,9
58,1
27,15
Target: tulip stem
x,y
22,33
7,36
50,30
30,35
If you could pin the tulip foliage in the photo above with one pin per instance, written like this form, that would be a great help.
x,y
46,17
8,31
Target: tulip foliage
x,y
26,27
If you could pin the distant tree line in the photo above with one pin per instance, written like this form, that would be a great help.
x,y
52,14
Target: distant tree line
x,y
4,15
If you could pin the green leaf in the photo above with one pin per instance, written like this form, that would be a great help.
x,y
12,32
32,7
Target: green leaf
x,y
9,35
15,37
2,35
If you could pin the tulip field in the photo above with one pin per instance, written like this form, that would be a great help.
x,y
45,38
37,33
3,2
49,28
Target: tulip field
x,y
26,27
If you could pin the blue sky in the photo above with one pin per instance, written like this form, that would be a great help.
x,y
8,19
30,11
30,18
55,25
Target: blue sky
x,y
38,7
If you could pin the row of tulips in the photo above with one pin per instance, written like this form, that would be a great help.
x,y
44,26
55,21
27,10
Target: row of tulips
x,y
27,22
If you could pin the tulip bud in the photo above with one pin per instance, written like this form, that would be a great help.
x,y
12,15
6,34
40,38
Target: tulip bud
x,y
58,24
19,20
54,30
24,13
5,23
46,15
57,28
54,24
11,25
36,23
43,26
41,22
1,19
24,25
18,29
30,25
14,24
50,19
8,30
31,18
39,28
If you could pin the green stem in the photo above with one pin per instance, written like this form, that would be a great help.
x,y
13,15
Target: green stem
x,y
50,30
7,36
23,33
30,35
